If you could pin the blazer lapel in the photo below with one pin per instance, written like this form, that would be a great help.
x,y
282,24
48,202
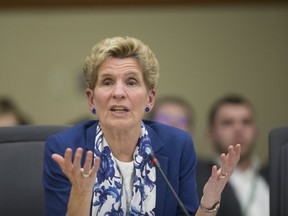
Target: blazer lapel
x,y
161,185
90,136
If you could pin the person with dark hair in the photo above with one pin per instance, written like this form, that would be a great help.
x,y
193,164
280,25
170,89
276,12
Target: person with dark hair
x,y
104,167
10,115
174,111
231,120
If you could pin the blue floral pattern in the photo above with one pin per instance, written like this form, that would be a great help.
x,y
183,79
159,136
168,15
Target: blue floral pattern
x,y
106,169
108,196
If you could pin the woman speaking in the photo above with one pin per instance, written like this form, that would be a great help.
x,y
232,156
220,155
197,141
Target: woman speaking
x,y
103,167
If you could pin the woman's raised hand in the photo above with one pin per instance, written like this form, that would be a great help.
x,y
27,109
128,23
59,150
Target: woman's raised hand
x,y
82,179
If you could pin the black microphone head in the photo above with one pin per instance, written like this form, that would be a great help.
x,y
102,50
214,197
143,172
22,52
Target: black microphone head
x,y
154,160
152,156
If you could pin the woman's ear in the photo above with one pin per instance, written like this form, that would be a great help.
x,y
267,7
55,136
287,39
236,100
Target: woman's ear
x,y
90,97
151,98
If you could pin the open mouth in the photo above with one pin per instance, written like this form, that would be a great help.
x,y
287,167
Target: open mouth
x,y
119,109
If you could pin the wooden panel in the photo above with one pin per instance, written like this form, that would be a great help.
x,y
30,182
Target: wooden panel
x,y
107,3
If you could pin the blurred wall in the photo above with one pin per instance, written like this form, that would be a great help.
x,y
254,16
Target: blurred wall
x,y
204,52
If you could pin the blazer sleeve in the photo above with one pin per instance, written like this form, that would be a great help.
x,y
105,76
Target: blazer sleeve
x,y
187,178
56,185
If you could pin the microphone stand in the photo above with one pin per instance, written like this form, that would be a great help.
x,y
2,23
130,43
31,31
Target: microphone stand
x,y
157,165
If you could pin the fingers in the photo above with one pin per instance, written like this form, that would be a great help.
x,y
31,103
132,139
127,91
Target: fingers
x,y
88,169
95,166
229,160
219,177
77,159
70,167
238,151
214,174
224,158
234,154
58,159
68,159
88,163
234,149
224,165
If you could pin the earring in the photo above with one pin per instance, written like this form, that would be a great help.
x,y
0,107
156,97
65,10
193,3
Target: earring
x,y
147,109
94,111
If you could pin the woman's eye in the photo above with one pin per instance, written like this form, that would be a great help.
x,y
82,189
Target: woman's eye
x,y
107,82
132,82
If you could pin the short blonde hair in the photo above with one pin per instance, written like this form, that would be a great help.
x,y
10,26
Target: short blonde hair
x,y
122,47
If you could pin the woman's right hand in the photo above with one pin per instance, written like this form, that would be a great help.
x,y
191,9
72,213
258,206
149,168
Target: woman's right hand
x,y
73,170
82,179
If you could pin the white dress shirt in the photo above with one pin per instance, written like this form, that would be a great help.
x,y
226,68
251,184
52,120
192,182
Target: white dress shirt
x,y
251,190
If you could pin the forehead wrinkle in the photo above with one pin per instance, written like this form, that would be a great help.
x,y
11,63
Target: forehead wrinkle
x,y
130,62
111,68
125,74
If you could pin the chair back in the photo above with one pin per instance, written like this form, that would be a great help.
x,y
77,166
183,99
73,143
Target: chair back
x,y
21,168
278,166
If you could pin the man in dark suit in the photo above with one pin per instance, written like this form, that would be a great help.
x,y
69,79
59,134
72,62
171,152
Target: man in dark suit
x,y
231,120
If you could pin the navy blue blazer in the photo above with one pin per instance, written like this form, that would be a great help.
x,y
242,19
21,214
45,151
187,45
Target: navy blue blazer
x,y
173,148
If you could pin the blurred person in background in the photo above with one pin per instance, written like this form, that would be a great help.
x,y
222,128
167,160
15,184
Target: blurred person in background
x,y
232,120
10,115
174,111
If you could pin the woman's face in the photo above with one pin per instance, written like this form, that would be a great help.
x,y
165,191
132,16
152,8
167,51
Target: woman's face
x,y
120,95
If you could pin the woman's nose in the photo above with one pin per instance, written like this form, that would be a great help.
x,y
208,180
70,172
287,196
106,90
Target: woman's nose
x,y
119,91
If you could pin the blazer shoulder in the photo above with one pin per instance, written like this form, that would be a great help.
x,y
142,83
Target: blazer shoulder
x,y
169,139
77,130
73,137
166,131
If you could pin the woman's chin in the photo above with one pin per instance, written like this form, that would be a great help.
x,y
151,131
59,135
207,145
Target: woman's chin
x,y
120,124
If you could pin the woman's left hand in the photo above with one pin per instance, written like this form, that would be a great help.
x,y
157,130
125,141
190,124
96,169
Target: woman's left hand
x,y
219,177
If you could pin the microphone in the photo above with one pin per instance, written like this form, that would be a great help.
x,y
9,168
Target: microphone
x,y
156,163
